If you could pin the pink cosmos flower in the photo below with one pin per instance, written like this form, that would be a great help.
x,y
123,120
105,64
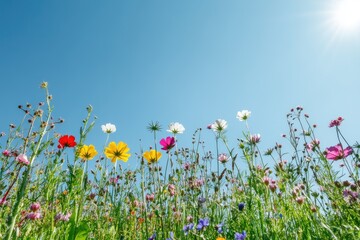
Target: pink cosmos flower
x,y
33,215
22,158
6,153
336,122
337,152
35,207
167,143
223,158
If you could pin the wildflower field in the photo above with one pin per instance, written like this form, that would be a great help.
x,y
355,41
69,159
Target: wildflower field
x,y
48,190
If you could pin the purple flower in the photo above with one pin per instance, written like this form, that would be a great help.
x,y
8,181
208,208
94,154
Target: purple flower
x,y
218,227
188,227
240,236
171,236
153,237
203,223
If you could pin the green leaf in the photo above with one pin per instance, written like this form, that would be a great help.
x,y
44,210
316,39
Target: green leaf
x,y
82,231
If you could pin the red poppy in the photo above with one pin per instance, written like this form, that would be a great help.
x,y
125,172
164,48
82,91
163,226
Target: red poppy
x,y
67,141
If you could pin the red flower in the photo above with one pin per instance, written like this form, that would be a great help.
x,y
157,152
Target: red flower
x,y
67,141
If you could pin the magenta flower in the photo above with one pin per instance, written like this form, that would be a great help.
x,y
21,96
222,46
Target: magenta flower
x,y
33,215
336,122
22,158
337,152
35,207
6,153
167,143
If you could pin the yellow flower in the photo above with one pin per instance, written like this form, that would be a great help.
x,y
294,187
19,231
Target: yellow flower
x,y
119,151
220,238
152,156
87,152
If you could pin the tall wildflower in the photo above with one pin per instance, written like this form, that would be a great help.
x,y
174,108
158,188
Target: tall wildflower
x,y
243,115
87,152
118,151
152,156
219,125
176,128
108,128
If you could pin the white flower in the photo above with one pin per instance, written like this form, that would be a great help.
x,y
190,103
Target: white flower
x,y
176,128
108,128
219,125
243,115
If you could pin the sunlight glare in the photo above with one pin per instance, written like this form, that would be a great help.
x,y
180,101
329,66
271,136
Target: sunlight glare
x,y
346,15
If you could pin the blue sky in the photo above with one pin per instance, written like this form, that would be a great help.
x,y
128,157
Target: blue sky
x,y
187,61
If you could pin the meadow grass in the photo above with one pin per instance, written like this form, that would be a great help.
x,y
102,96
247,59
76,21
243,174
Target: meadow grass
x,y
48,191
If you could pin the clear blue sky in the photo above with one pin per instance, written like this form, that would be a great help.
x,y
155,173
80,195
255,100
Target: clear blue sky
x,y
191,61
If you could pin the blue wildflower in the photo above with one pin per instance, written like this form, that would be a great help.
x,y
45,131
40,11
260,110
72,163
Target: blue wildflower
x,y
218,227
201,200
241,206
203,223
187,228
240,236
171,236
153,237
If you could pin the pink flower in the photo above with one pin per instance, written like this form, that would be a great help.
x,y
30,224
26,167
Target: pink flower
x,y
22,158
223,158
336,122
167,143
6,153
114,180
33,215
150,197
337,152
266,180
63,217
309,147
255,138
300,200
35,207
186,166
171,188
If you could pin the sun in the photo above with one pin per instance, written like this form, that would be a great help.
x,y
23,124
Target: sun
x,y
346,15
